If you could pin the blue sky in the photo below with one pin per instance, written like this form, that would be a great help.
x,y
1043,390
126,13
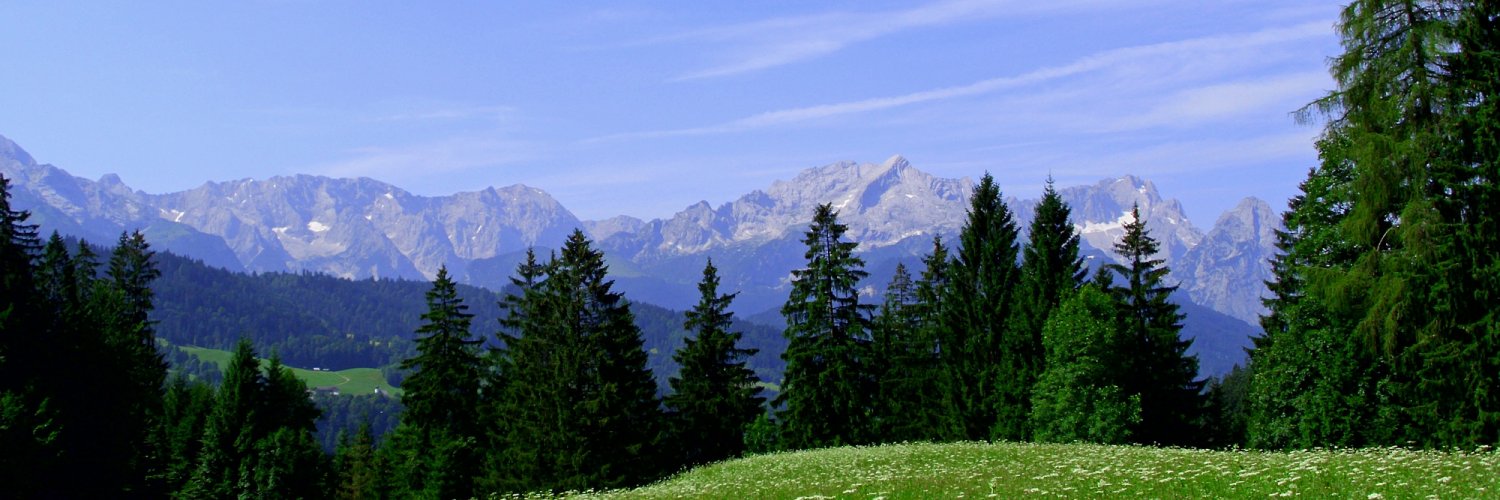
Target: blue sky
x,y
643,108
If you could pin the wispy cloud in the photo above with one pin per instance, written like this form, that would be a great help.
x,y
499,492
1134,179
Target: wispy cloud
x,y
776,42
1220,101
1144,59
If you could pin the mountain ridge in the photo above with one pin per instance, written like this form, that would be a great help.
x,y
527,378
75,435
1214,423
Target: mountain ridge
x,y
361,228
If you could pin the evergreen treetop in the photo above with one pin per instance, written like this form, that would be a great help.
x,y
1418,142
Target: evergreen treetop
x,y
714,396
826,390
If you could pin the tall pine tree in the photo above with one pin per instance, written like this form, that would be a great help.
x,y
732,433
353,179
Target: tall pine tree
x,y
714,396
579,404
439,436
826,393
891,337
1391,296
1050,270
1160,371
990,370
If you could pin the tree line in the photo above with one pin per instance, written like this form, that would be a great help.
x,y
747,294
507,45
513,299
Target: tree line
x,y
984,345
1382,330
1383,325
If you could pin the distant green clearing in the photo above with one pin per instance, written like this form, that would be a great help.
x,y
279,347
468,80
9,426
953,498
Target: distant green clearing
x,y
351,381
1009,470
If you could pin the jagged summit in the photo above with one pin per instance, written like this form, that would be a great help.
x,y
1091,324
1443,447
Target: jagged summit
x,y
1228,270
12,151
361,227
882,204
1101,210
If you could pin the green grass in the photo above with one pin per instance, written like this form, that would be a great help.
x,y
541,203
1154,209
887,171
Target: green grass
x,y
1008,470
351,381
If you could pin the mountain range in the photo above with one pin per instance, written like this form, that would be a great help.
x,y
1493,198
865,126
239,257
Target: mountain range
x,y
363,228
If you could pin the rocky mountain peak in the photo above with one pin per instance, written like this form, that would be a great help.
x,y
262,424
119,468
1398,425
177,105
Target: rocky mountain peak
x,y
1251,220
9,150
1228,270
362,227
1101,210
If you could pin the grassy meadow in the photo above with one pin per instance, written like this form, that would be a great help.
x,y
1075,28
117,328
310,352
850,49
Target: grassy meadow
x,y
1009,470
350,381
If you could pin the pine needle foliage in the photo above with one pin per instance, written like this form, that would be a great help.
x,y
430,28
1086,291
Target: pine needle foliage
x,y
826,395
714,396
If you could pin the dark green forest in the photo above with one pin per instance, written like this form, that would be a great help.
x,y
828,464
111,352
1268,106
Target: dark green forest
x,y
1382,331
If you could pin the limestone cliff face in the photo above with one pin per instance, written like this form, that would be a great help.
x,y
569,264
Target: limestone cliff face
x,y
361,228
1227,271
354,228
882,204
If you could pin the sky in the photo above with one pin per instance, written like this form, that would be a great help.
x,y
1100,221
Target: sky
x,y
644,108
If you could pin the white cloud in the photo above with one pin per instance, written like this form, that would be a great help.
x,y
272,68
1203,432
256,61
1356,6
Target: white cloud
x,y
1227,101
1139,65
776,42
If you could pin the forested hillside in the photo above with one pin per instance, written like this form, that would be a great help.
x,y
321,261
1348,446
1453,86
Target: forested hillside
x,y
1382,331
315,320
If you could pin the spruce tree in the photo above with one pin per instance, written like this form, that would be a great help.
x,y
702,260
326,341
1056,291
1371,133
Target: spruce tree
x,y
1050,270
908,402
30,428
185,409
27,422
439,434
929,418
229,435
1313,382
257,440
1161,372
579,402
78,327
890,333
714,396
990,370
131,338
357,468
1468,400
826,392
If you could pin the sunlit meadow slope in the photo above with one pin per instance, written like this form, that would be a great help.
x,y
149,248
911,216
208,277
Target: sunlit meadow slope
x,y
1009,470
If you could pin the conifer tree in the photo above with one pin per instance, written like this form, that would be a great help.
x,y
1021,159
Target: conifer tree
x,y
908,402
929,418
826,393
990,370
1050,270
257,441
1312,379
24,422
185,409
78,327
357,468
714,397
579,403
30,430
1161,372
1386,285
131,338
439,434
891,334
229,434
1465,399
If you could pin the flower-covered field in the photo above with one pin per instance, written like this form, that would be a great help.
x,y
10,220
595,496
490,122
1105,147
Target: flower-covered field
x,y
1006,470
